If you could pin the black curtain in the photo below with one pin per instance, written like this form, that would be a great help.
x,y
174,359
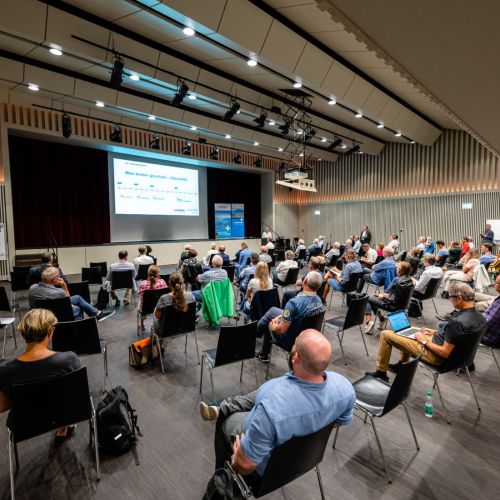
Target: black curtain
x,y
227,186
60,192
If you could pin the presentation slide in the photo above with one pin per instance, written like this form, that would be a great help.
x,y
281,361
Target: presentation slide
x,y
238,220
229,220
142,188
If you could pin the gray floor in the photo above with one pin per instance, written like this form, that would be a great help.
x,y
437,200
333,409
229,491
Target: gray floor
x,y
457,461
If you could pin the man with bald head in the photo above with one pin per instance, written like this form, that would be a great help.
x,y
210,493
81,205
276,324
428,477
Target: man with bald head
x,y
299,403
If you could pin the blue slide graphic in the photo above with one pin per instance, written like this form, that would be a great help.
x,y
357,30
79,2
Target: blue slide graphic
x,y
237,220
229,220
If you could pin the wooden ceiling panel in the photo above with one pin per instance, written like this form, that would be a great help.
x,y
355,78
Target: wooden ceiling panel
x,y
313,65
338,80
11,70
95,93
375,103
358,93
46,81
24,17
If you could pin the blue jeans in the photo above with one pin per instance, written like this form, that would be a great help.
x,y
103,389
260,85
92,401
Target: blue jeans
x,y
335,285
79,306
284,340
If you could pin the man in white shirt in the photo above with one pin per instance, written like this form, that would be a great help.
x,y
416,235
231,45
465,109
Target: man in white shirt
x,y
369,257
270,244
321,241
121,265
142,259
421,243
212,251
279,275
267,233
264,256
431,271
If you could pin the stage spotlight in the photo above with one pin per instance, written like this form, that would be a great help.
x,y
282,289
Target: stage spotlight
x,y
285,128
309,135
258,163
235,107
155,141
353,150
180,94
334,144
237,159
214,154
116,134
117,72
261,120
66,126
186,150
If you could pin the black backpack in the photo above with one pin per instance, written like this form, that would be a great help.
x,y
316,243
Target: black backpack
x,y
102,299
117,428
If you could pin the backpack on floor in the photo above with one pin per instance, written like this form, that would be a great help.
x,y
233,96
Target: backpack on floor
x,y
142,352
117,428
102,299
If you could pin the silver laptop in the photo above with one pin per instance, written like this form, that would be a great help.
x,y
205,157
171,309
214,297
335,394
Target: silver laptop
x,y
401,325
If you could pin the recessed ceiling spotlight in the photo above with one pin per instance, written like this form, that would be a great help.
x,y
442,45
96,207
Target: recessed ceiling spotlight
x,y
55,51
323,139
272,122
252,63
398,134
255,143
320,159
33,86
280,149
331,102
134,77
188,31
360,152
359,115
344,146
227,136
412,142
297,85
152,117
99,104
380,125
193,127
301,154
192,97
300,132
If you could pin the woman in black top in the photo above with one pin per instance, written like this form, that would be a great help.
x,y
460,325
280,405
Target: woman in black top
x,y
37,362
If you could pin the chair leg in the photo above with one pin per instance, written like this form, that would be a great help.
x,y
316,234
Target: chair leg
x,y
494,357
96,447
436,384
14,334
331,297
269,364
320,483
434,304
340,343
335,437
411,426
241,372
157,342
201,372
363,337
196,344
4,342
472,387
186,344
255,367
11,468
380,449
212,384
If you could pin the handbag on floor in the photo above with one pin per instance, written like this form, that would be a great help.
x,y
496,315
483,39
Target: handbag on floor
x,y
142,352
223,486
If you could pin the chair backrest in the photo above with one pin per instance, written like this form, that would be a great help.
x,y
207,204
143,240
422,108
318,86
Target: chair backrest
x,y
355,312
280,255
81,337
103,266
401,386
442,261
236,343
403,256
4,301
92,275
314,321
177,322
80,288
165,277
292,275
269,267
333,260
142,272
122,279
292,459
60,307
18,281
432,288
321,289
230,272
210,259
150,298
404,298
463,353
302,254
42,406
379,258
352,282
262,301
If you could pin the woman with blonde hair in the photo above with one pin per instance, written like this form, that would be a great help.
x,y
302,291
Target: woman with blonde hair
x,y
152,283
260,281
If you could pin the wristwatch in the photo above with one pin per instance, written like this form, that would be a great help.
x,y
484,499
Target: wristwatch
x,y
424,342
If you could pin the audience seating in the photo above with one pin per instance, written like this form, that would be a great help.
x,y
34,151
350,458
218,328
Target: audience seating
x,y
236,343
55,402
142,272
355,316
230,272
349,287
81,288
492,352
60,307
291,277
429,294
376,398
103,266
18,283
262,301
92,275
288,462
5,322
121,280
149,300
402,304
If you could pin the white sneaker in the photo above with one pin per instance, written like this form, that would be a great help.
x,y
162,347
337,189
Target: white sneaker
x,y
369,327
208,412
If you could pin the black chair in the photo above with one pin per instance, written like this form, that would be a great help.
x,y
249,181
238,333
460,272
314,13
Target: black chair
x,y
332,261
314,321
103,266
355,316
280,255
403,302
121,280
429,294
236,343
262,301
189,273
175,323
149,300
349,287
5,322
461,357
56,402
288,462
230,272
142,272
291,277
18,283
81,288
92,275
81,337
376,398
165,277
269,267
60,307
442,261
301,257
492,352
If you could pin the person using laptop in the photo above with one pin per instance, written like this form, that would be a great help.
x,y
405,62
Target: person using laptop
x,y
435,345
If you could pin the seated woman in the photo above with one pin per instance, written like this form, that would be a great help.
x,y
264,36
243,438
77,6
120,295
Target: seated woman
x,y
388,300
153,282
380,249
261,281
466,274
413,260
37,362
177,298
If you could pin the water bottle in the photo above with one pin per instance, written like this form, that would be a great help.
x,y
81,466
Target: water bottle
x,y
428,405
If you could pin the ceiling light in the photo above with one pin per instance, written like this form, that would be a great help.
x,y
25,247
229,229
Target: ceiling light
x,y
344,146
360,152
192,97
99,104
323,139
353,150
252,63
186,150
380,125
261,120
66,126
412,142
116,134
155,141
300,132
234,108
301,154
117,72
320,159
134,77
398,134
237,159
188,31
297,85
34,87
359,115
182,91
55,51
331,102
152,117
334,144
227,136
255,143
272,122
280,149
193,127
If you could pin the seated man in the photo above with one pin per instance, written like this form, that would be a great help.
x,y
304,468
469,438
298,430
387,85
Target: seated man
x,y
264,255
212,251
369,256
241,258
431,271
314,264
47,290
184,254
442,253
270,245
143,259
225,257
333,252
313,248
383,272
281,271
281,325
437,345
214,274
121,265
491,337
487,257
248,272
300,246
35,274
336,279
299,403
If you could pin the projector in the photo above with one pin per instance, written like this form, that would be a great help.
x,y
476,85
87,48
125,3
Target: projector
x,y
301,184
295,174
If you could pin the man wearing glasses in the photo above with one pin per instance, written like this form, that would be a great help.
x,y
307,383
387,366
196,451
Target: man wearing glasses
x,y
437,345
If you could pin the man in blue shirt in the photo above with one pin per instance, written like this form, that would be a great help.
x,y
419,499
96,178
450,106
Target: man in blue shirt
x,y
282,325
248,271
442,253
301,402
488,234
487,257
383,272
242,256
224,255
337,279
